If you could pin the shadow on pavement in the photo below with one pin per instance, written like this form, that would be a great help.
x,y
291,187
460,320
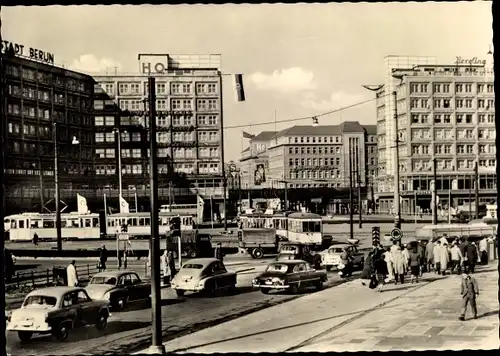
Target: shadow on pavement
x,y
487,314
277,329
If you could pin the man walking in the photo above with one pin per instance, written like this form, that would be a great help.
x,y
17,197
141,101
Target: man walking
x,y
429,255
470,257
483,251
72,275
456,258
469,291
103,258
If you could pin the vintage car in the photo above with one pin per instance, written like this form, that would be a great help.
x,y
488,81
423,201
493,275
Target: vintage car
x,y
291,275
119,288
203,275
332,257
56,310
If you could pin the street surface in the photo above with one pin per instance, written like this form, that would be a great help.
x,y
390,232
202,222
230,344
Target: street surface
x,y
180,316
351,317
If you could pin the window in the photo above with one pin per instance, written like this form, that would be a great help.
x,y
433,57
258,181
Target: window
x,y
161,104
459,88
437,118
99,121
186,88
459,103
175,88
447,118
468,103
446,88
186,104
175,104
99,137
123,88
460,118
135,88
468,88
468,118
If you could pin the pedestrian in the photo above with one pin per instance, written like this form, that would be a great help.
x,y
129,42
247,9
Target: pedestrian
x,y
380,268
437,254
72,276
394,246
470,257
171,263
398,262
345,259
404,251
483,251
389,262
421,256
103,258
35,239
414,262
367,268
444,258
456,258
469,290
218,251
165,267
429,255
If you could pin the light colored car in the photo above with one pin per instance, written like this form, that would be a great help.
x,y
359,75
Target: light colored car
x,y
203,274
332,258
119,288
56,310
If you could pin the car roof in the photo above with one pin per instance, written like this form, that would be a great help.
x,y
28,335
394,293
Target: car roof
x,y
340,245
288,262
115,274
202,261
56,292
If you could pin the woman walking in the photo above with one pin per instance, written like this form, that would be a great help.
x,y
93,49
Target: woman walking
x,y
367,268
389,261
399,265
380,268
414,262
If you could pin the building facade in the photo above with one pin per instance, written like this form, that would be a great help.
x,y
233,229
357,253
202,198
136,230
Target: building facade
x,y
315,157
446,113
254,162
189,122
41,98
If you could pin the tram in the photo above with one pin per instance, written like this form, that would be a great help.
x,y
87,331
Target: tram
x,y
305,228
139,224
74,226
266,220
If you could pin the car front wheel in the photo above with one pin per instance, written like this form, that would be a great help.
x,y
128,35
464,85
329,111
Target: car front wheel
x,y
294,288
102,322
24,335
61,332
264,290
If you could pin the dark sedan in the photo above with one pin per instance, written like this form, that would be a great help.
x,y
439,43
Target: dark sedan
x,y
291,275
119,288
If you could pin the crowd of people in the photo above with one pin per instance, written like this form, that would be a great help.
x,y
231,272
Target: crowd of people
x,y
392,264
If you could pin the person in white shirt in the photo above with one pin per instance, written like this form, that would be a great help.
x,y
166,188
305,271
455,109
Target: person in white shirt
x,y
483,251
72,275
456,258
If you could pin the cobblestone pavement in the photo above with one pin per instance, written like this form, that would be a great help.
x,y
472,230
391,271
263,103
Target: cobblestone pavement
x,y
425,319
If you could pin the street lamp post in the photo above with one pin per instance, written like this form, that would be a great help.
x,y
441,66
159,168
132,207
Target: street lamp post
x,y
286,193
397,197
56,183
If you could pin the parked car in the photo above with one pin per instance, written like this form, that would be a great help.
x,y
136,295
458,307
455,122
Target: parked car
x,y
118,288
291,275
203,275
332,257
56,310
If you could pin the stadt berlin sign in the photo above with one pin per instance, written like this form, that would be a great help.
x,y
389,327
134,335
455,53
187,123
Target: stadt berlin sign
x,y
32,53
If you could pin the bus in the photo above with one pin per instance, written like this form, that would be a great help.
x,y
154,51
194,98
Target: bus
x,y
191,209
74,226
139,224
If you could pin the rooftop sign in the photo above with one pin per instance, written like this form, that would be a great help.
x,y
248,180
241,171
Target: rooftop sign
x,y
470,61
31,53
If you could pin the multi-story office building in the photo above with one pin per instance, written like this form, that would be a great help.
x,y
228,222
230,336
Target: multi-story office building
x,y
314,157
41,97
255,162
447,113
189,102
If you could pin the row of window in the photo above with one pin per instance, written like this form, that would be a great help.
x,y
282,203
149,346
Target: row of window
x,y
184,120
449,134
312,162
161,88
322,175
28,148
457,118
45,95
443,103
445,87
49,78
178,152
321,150
448,149
422,165
127,169
45,114
45,132
163,104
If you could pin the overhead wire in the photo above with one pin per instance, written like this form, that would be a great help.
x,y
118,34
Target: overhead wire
x,y
306,117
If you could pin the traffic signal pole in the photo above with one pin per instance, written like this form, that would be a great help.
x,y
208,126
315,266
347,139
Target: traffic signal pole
x,y
156,345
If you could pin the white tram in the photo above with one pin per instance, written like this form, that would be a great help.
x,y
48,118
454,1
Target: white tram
x,y
305,228
22,227
139,224
267,220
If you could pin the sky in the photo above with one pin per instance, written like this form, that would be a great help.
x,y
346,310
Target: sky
x,y
298,60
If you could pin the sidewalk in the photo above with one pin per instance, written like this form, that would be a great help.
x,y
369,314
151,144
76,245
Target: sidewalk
x,y
351,317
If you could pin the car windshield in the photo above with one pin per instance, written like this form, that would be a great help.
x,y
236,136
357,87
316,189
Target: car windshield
x,y
277,267
289,248
336,250
192,266
40,300
103,280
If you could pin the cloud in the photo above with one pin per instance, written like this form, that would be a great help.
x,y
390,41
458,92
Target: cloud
x,y
89,63
288,80
337,100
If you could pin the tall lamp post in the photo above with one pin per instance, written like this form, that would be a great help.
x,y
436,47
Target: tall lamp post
x,y
286,193
56,182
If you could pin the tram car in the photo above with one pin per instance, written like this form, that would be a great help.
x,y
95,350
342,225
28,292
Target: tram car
x,y
305,228
139,224
74,226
